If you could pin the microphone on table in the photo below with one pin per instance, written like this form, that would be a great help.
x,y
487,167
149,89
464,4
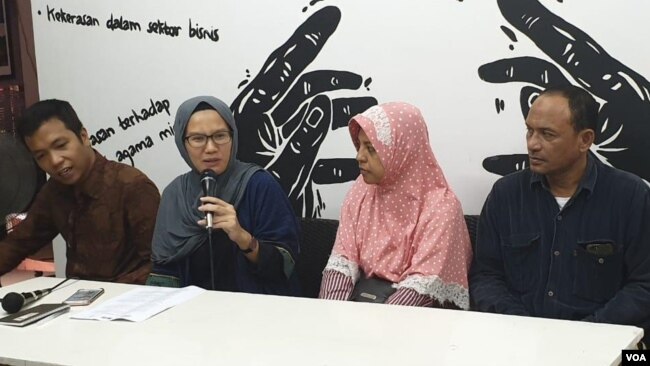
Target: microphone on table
x,y
209,185
13,301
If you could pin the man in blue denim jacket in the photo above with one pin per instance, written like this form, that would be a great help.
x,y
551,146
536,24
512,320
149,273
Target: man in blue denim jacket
x,y
569,237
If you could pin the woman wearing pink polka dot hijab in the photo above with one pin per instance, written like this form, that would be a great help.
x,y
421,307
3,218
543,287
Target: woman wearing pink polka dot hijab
x,y
400,221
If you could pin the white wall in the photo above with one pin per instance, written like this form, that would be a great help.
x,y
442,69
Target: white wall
x,y
424,52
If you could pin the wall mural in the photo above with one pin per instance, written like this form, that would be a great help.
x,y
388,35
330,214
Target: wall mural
x,y
282,124
623,135
294,79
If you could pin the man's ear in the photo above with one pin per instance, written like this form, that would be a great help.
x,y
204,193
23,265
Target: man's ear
x,y
83,136
586,138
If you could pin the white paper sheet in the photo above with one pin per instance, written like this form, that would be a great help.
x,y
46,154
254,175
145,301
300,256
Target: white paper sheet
x,y
140,304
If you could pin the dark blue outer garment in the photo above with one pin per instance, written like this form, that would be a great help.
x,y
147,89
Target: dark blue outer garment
x,y
533,259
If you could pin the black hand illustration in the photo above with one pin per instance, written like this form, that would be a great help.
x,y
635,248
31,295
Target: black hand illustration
x,y
284,114
623,135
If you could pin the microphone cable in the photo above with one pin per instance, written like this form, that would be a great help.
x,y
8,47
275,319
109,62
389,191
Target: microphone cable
x,y
51,288
59,284
208,185
211,251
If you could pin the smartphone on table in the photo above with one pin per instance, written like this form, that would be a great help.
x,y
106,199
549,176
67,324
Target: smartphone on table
x,y
84,296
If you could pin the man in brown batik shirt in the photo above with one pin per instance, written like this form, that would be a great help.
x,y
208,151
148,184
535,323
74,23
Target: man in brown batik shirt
x,y
104,210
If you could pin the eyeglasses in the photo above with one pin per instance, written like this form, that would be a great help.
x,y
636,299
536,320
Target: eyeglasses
x,y
219,138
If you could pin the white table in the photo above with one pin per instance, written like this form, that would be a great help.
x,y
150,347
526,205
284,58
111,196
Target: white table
x,y
221,328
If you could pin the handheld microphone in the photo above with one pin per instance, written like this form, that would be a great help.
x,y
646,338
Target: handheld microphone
x,y
13,301
209,185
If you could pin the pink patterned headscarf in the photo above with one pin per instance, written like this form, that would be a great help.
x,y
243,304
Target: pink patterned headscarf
x,y
408,229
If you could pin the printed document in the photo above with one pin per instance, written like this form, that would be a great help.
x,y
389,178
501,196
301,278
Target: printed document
x,y
140,304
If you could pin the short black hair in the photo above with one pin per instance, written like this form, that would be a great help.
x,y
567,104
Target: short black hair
x,y
41,112
583,106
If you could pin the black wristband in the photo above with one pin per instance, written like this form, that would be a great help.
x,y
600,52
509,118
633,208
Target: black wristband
x,y
252,245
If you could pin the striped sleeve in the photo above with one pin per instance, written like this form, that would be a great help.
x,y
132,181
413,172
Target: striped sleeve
x,y
409,297
335,286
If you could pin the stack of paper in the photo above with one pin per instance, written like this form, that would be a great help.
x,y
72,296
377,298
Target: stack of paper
x,y
140,304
